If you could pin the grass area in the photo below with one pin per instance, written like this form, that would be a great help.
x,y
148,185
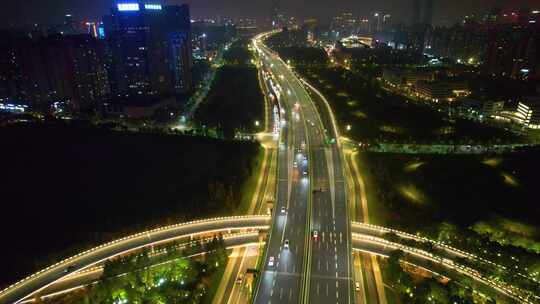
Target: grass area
x,y
290,46
376,209
463,189
380,116
235,102
67,188
239,53
249,187
391,296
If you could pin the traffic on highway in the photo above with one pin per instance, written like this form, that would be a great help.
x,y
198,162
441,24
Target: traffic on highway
x,y
308,256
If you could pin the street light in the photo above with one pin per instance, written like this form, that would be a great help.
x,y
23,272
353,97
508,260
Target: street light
x,y
257,123
348,127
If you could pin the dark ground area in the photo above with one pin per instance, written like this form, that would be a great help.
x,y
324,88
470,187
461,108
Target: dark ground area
x,y
487,205
234,103
66,188
462,189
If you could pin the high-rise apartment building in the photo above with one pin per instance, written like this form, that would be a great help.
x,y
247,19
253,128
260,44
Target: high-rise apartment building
x,y
54,69
150,50
421,23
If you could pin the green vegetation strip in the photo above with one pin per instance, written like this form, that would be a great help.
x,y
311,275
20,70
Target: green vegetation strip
x,y
249,187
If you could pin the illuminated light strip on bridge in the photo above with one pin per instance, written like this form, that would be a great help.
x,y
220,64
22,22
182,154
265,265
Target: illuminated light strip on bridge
x,y
440,244
181,245
505,289
99,268
69,260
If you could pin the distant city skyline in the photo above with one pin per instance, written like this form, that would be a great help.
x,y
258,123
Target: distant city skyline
x,y
445,12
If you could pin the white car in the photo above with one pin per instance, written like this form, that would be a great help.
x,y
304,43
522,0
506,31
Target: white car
x,y
283,210
315,234
357,286
286,244
271,261
295,164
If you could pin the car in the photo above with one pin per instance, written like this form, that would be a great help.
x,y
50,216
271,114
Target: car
x,y
304,173
271,261
69,269
283,210
357,286
315,234
240,279
286,244
295,164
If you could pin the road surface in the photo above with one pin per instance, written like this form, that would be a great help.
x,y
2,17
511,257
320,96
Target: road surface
x,y
311,270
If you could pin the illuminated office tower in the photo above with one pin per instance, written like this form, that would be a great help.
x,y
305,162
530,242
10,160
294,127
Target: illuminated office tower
x,y
150,46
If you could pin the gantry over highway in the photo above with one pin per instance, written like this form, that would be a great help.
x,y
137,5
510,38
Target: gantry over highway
x,y
33,284
309,249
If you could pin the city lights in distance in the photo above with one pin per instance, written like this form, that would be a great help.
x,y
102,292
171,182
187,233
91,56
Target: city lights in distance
x,y
152,6
128,7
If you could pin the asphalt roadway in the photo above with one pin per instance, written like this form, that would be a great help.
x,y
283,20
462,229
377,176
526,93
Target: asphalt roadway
x,y
311,270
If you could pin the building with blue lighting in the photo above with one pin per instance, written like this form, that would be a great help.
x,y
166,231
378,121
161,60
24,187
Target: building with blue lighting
x,y
150,51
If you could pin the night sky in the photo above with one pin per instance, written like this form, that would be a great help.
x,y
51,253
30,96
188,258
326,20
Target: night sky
x,y
446,11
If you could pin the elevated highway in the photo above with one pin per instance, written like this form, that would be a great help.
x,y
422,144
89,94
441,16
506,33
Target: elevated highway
x,y
243,232
38,281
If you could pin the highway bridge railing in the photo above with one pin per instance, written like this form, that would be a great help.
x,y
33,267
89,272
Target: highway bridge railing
x,y
45,277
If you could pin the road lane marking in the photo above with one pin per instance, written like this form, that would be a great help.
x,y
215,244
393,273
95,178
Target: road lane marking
x,y
326,289
290,295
